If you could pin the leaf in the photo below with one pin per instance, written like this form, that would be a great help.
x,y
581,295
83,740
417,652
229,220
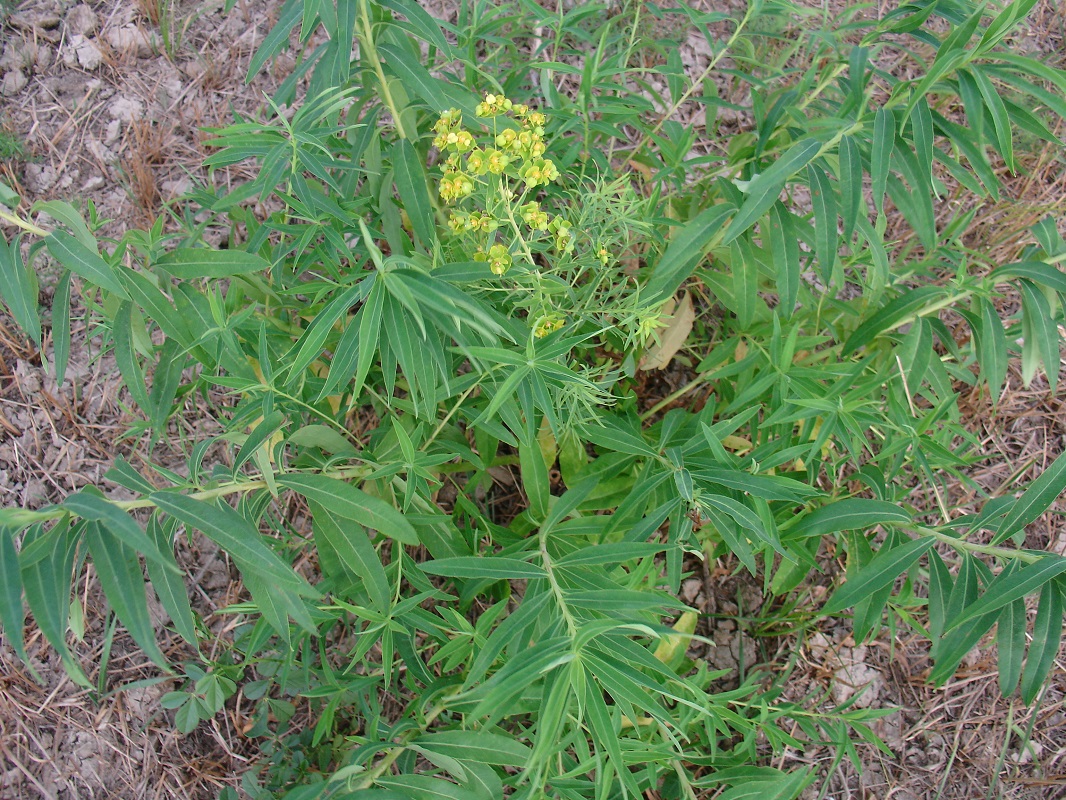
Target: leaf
x,y
121,525
891,315
125,356
18,289
853,513
1010,645
784,248
824,204
1000,119
348,502
47,583
423,787
411,183
992,346
1036,271
12,616
61,326
170,588
1010,586
763,190
1040,330
485,567
881,154
883,569
921,122
1034,500
684,252
438,94
237,536
671,338
850,177
190,263
119,571
480,747
535,479
87,263
610,553
1047,633
355,552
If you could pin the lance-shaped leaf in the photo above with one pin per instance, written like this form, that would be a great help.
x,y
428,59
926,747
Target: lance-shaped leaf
x,y
763,190
853,513
684,252
1012,585
348,502
87,263
883,569
1047,633
1035,500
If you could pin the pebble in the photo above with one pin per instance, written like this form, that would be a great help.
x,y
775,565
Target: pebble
x,y
82,21
13,83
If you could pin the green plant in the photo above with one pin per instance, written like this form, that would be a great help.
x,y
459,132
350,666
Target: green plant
x,y
482,248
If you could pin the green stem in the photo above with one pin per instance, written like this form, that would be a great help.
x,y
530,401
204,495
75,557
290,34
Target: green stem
x,y
26,226
984,549
366,40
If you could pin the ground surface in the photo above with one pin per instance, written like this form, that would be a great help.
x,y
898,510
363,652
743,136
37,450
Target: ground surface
x,y
106,102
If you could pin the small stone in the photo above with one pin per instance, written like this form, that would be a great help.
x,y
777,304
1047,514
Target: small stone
x,y
13,82
96,181
82,20
131,39
83,52
126,109
112,132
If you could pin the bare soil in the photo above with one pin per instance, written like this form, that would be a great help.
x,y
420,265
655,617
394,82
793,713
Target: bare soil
x,y
107,102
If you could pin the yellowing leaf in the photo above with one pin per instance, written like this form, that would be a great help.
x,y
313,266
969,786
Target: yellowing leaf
x,y
678,325
674,645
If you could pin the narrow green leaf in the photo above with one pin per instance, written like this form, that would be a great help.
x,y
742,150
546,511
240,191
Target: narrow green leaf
x,y
610,553
18,289
1010,645
119,571
349,502
998,112
784,247
411,183
1036,271
237,536
12,616
850,177
535,480
170,588
121,525
1010,586
126,357
853,513
480,747
486,567
1041,330
61,326
1047,634
352,546
992,346
684,253
824,203
884,142
87,263
763,190
309,347
883,569
47,583
894,312
190,263
921,123
1035,499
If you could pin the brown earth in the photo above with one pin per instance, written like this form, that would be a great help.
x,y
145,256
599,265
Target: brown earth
x,y
107,101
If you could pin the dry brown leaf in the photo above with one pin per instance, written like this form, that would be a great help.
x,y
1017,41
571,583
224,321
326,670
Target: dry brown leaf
x,y
672,336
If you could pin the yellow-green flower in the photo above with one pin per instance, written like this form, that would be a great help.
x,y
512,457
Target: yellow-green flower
x,y
499,259
548,324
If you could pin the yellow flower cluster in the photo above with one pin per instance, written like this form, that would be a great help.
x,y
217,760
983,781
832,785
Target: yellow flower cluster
x,y
549,324
499,258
